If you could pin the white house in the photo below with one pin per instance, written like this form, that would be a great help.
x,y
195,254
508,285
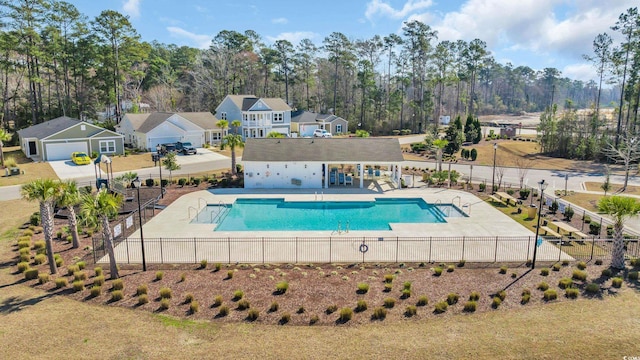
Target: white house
x,y
285,163
259,116
305,122
146,131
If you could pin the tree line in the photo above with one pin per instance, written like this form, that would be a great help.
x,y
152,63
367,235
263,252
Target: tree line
x,y
56,61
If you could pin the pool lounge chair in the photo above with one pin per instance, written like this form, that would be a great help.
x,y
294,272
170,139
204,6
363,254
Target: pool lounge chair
x,y
332,178
340,178
348,180
377,173
370,172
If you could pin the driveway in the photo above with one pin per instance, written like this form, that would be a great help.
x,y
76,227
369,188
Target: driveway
x,y
66,169
203,156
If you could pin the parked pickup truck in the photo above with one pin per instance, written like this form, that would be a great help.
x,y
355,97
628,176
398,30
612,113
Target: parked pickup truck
x,y
321,133
185,148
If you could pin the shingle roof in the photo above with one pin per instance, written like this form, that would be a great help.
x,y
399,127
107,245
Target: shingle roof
x,y
310,117
137,119
48,128
238,99
153,120
248,102
276,104
321,149
205,120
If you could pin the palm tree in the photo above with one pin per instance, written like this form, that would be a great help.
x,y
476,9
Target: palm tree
x,y
440,144
620,208
102,207
275,134
4,136
232,141
236,125
46,192
69,198
222,124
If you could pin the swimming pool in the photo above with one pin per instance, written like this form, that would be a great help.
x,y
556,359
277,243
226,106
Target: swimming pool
x,y
280,215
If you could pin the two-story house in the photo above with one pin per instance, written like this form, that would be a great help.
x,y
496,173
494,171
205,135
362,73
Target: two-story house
x,y
259,116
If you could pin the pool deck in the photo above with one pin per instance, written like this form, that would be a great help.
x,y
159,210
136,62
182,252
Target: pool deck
x,y
483,221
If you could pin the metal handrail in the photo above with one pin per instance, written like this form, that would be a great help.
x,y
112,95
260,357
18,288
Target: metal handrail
x,y
205,203
459,200
196,210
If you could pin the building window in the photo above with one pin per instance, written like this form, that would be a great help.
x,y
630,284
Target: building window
x,y
278,117
107,146
223,116
338,128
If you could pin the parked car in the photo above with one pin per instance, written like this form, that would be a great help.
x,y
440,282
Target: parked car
x,y
167,148
321,133
186,148
80,158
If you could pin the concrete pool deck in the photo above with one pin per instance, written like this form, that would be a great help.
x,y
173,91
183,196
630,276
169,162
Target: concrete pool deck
x,y
477,234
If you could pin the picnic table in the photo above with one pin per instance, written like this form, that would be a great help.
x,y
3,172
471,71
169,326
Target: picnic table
x,y
506,197
569,229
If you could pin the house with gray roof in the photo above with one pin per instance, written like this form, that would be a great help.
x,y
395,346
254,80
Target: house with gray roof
x,y
259,116
56,139
285,163
146,131
305,122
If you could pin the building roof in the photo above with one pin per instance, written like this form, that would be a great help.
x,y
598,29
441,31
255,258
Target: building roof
x,y
276,104
137,119
245,102
238,99
302,116
381,150
48,128
147,122
152,121
205,119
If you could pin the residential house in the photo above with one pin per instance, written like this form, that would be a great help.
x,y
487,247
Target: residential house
x,y
285,163
56,139
305,122
146,131
259,116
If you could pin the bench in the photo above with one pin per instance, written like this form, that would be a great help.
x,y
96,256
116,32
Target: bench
x,y
495,199
548,231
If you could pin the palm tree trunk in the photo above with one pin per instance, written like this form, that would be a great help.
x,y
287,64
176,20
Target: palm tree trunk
x,y
73,227
617,255
108,244
46,218
233,161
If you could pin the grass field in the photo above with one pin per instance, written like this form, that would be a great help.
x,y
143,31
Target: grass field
x,y
31,170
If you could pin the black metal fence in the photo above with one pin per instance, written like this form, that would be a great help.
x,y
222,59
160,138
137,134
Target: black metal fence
x,y
361,249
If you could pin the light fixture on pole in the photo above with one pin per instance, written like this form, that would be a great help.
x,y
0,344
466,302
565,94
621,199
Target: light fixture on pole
x,y
137,184
158,148
542,185
493,177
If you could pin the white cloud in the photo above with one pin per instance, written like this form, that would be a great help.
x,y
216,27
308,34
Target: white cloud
x,y
383,9
280,21
132,8
293,37
580,71
197,40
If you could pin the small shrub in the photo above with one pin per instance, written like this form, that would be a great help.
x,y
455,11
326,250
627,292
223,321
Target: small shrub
x,y
43,278
526,297
441,307
95,291
224,310
361,306
59,261
274,307
363,288
592,288
450,268
61,282
388,278
203,264
40,244
543,286
379,313
406,293
301,310
31,274
502,295
616,282
572,293
331,309
98,271
142,290
117,295
188,298
143,299
556,267
633,275
314,319
550,295
194,307
410,311
581,265
217,301
389,303
565,262
164,304
437,271
117,284
461,263
71,269
159,275
423,300
243,304
470,306
23,266
346,314
81,265
230,274
217,266
496,302
544,271
253,314
598,262
80,275
503,269
24,251
165,293
285,318
579,275
183,277
452,298
78,285
607,272
565,283
474,296
282,287
98,281
237,295
388,287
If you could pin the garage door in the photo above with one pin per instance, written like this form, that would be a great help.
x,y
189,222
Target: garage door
x,y
154,141
63,151
195,140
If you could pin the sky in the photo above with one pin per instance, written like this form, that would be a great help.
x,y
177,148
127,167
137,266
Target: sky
x,y
534,33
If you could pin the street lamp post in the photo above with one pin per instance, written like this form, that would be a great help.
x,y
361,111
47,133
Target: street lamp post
x,y
542,186
137,184
158,148
493,177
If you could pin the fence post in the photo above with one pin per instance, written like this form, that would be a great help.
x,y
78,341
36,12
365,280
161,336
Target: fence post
x,y
397,247
584,213
93,243
329,249
463,241
161,256
262,239
127,243
535,243
495,254
560,251
229,248
195,251
296,249
430,245
593,245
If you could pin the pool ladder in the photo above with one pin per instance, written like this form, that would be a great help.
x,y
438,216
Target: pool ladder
x,y
339,228
217,217
195,210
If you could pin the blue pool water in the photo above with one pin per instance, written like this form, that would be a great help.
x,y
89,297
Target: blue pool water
x,y
280,215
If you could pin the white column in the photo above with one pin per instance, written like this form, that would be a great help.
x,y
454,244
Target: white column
x,y
361,174
326,175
